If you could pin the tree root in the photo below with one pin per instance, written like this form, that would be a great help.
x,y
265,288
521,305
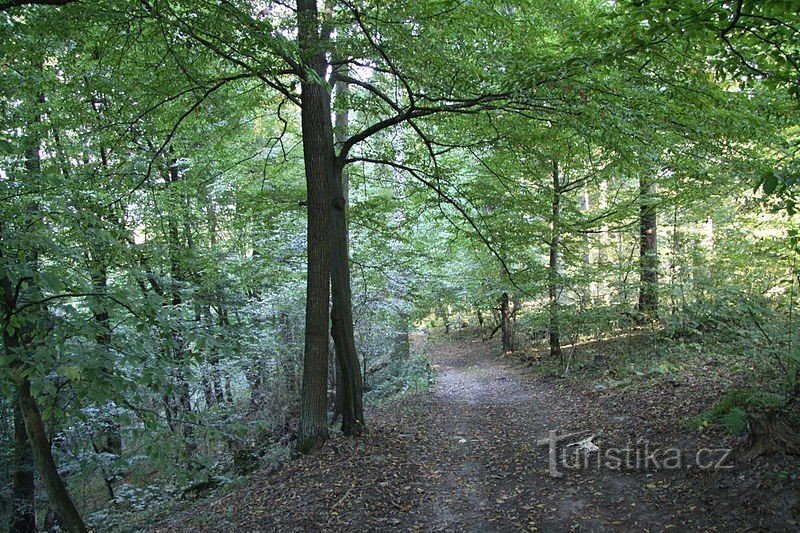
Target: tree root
x,y
769,434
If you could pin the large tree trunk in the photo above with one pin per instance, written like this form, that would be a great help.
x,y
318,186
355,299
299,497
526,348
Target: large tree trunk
x,y
554,267
648,249
320,163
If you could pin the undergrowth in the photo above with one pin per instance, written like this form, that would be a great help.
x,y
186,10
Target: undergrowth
x,y
398,379
756,373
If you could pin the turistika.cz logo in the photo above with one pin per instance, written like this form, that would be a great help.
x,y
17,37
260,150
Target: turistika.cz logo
x,y
584,454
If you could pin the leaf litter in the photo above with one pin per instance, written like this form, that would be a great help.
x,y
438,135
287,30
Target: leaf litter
x,y
465,457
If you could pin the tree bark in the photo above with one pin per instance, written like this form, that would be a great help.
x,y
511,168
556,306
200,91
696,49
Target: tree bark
x,y
181,406
23,516
319,159
23,509
341,125
586,292
648,249
108,440
505,321
56,490
554,267
349,378
15,342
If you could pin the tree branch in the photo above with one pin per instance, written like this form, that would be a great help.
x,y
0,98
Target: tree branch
x,y
5,6
417,174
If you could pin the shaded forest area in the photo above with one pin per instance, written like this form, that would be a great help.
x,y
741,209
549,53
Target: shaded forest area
x,y
223,223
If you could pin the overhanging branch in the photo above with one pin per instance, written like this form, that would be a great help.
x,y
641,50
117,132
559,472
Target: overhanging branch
x,y
5,6
418,175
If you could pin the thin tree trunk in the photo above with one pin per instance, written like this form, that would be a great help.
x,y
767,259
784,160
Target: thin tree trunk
x,y
402,341
603,291
288,359
30,437
648,249
319,159
349,379
34,425
554,267
214,359
15,344
56,490
216,367
586,293
23,509
23,486
338,399
505,318
109,439
340,131
180,406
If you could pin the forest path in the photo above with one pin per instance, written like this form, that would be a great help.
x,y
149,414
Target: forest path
x,y
489,473
465,457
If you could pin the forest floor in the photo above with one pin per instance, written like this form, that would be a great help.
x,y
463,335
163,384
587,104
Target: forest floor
x,y
466,457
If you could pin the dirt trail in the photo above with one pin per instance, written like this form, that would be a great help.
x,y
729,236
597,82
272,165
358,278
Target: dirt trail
x,y
465,457
494,476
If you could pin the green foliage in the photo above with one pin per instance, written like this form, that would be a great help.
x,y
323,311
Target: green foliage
x,y
398,379
152,240
735,409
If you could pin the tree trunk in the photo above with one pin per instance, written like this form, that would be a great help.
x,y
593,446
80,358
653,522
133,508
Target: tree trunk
x,y
319,159
341,126
26,411
402,340
338,399
23,516
181,406
505,318
602,289
586,293
289,358
23,509
554,267
40,444
648,250
349,379
108,440
216,368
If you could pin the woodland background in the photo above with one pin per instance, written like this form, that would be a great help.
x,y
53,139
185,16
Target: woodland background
x,y
555,173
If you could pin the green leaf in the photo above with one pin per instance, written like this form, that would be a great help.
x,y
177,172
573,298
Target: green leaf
x,y
72,372
769,182
735,420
